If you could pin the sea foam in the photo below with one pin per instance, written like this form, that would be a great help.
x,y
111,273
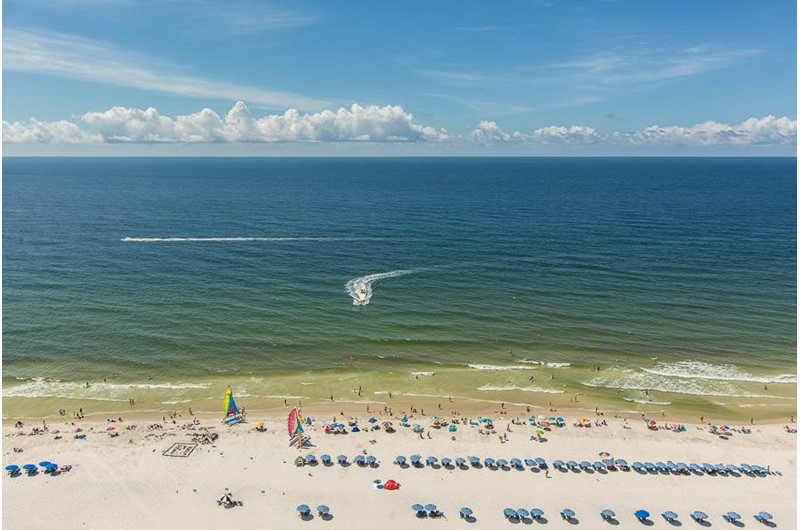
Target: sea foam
x,y
356,285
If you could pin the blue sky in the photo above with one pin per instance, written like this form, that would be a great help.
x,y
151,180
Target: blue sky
x,y
516,77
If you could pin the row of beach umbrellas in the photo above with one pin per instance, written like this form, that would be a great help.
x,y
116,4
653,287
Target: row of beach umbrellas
x,y
641,515
31,469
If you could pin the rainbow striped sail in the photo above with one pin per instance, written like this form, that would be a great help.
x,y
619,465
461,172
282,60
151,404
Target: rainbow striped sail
x,y
229,405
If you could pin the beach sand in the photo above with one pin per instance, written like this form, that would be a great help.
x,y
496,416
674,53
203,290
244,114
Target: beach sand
x,y
125,481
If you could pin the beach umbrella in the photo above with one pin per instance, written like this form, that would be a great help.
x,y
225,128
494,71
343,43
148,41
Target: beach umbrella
x,y
641,514
745,467
733,516
474,460
44,463
303,509
516,462
696,467
607,514
536,513
488,461
540,461
560,419
460,461
764,516
341,459
373,420
51,467
417,507
598,465
391,485
621,462
719,468
699,516
400,459
604,454
325,458
323,510
649,466
431,460
529,462
415,458
669,515
510,513
12,468
758,469
558,463
371,460
430,507
446,461
355,429
502,462
567,513
522,513
731,468
29,468
465,512
572,463
585,464
608,463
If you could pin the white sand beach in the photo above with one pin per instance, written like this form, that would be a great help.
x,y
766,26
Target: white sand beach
x,y
125,482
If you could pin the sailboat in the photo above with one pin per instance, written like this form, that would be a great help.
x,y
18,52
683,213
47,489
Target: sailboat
x,y
232,413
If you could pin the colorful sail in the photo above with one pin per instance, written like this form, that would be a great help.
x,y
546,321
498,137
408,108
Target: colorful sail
x,y
229,405
294,423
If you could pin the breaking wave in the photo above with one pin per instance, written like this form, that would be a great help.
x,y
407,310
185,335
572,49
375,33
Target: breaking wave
x,y
716,372
509,388
360,289
40,387
543,363
503,368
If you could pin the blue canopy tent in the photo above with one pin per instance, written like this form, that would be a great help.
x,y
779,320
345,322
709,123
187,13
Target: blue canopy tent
x,y
641,514
669,516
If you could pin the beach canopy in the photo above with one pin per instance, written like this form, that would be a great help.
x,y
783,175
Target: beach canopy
x,y
641,514
303,509
341,459
558,463
430,507
502,462
431,460
572,463
391,485
12,468
322,509
699,516
510,512
371,460
446,461
417,507
598,465
415,458
540,461
669,515
460,461
604,454
474,459
51,466
400,459
567,513
607,514
733,516
522,513
488,461
621,462
466,512
44,463
29,467
529,462
516,462
536,513
764,516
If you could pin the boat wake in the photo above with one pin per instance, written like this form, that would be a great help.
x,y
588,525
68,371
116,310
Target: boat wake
x,y
360,289
236,239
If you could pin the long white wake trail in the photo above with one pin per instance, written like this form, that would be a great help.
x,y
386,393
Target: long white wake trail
x,y
227,239
360,289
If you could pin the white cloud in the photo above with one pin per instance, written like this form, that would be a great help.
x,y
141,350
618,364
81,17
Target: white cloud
x,y
769,130
74,57
130,125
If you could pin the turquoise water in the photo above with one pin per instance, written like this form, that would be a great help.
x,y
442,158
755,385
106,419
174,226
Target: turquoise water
x,y
675,276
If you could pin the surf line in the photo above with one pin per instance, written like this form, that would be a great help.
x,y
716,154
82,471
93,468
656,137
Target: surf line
x,y
360,289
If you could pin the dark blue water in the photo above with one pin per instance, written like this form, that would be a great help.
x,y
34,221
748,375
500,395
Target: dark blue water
x,y
564,260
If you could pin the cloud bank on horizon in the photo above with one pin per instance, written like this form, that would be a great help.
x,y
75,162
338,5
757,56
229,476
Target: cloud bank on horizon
x,y
386,124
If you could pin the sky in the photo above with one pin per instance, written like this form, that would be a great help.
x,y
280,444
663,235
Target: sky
x,y
533,77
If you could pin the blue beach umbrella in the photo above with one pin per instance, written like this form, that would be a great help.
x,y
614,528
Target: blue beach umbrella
x,y
661,466
51,467
29,468
341,459
415,458
567,513
641,514
44,463
621,462
13,468
460,461
510,513
699,516
323,510
522,513
465,512
371,460
325,458
536,513
502,462
669,515
764,516
417,507
529,462
571,464
585,464
359,458
474,460
609,463
598,465
516,462
733,516
400,459
446,462
695,467
745,467
430,507
708,468
558,463
373,420
649,466
731,468
541,461
607,514
488,461
303,509
431,460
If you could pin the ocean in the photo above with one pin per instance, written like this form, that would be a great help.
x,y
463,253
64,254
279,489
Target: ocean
x,y
629,283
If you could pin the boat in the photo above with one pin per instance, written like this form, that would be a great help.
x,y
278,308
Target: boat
x,y
361,294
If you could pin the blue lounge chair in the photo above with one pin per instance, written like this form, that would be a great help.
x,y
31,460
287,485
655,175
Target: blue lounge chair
x,y
669,516
607,515
465,512
567,514
536,513
641,515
